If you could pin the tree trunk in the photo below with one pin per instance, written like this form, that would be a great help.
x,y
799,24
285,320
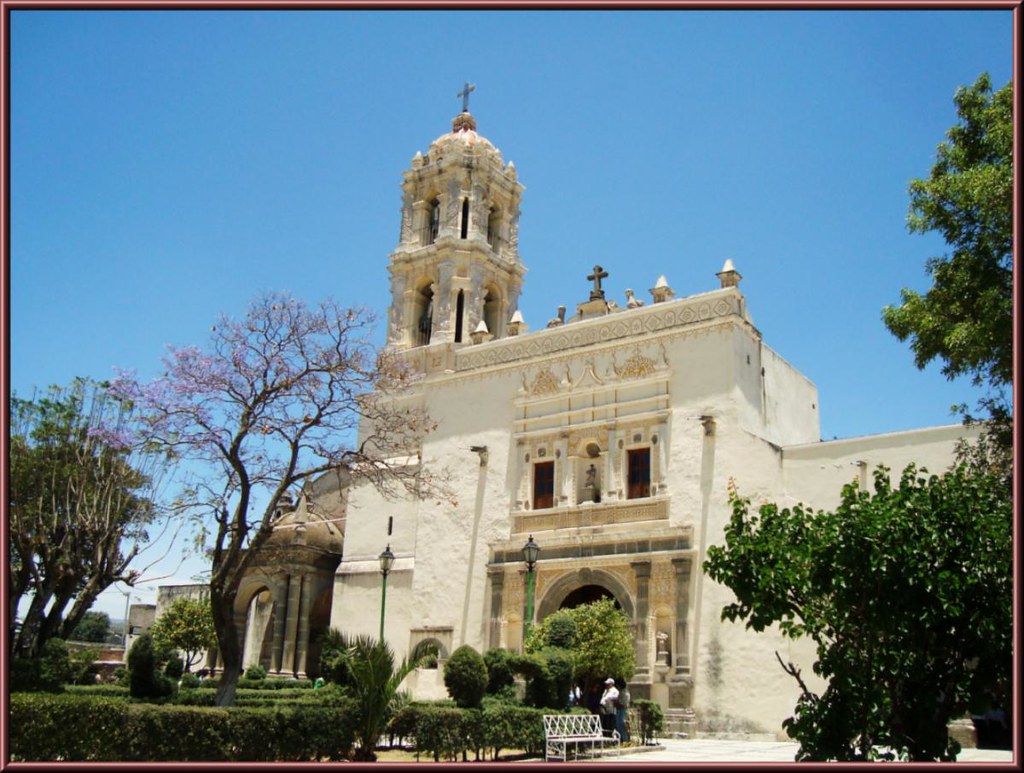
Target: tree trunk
x,y
228,645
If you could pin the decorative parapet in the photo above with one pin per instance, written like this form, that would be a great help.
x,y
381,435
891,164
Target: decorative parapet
x,y
678,314
586,515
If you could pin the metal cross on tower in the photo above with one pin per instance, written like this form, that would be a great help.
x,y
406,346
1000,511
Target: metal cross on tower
x,y
465,96
597,294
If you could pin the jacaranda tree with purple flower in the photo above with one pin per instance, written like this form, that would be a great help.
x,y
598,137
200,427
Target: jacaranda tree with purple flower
x,y
284,394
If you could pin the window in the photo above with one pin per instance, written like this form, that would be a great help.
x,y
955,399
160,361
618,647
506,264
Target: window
x,y
465,218
433,221
460,308
490,312
423,316
543,485
639,476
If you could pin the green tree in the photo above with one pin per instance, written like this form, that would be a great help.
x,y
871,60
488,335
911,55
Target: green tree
x,y
465,676
906,591
186,626
965,319
94,626
603,641
82,494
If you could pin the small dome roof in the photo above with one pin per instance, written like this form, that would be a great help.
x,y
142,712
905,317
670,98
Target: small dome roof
x,y
464,131
299,528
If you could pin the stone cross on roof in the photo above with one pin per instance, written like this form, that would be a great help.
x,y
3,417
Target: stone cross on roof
x,y
597,294
465,95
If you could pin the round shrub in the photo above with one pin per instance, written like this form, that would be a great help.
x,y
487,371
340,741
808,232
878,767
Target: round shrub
x,y
144,679
500,671
189,681
175,667
465,676
55,667
256,673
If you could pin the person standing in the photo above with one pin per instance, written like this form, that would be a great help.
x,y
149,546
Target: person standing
x,y
622,710
608,701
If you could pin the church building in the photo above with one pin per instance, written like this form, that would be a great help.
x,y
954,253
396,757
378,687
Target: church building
x,y
607,436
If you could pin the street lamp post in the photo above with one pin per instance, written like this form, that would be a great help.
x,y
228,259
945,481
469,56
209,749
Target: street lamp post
x,y
530,551
387,558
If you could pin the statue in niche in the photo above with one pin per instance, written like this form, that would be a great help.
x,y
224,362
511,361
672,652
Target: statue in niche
x,y
662,638
591,492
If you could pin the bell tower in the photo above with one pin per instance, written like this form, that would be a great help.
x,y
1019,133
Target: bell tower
x,y
457,260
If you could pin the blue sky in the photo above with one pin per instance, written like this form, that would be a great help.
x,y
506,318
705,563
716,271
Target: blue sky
x,y
170,165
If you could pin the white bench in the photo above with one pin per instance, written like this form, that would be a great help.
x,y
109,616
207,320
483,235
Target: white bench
x,y
564,730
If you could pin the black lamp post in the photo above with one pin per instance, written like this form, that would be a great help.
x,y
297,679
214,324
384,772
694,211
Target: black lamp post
x,y
387,559
530,551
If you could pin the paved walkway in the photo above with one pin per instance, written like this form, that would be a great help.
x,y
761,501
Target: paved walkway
x,y
708,750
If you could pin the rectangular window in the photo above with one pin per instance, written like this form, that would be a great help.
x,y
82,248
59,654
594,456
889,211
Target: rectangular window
x,y
543,485
639,461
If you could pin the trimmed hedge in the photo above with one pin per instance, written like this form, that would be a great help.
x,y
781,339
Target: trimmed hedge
x,y
445,732
76,728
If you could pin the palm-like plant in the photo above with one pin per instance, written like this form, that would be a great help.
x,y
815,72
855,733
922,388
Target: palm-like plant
x,y
374,686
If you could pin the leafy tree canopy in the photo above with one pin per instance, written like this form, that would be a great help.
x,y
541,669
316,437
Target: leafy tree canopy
x,y
93,627
965,319
907,592
187,626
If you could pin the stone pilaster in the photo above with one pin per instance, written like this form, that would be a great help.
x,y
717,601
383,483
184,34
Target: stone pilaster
x,y
611,477
280,612
496,576
642,573
683,568
292,623
302,645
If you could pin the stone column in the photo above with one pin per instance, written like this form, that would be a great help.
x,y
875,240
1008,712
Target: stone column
x,y
292,624
642,573
563,480
305,604
496,575
280,585
610,475
682,643
409,321
445,304
659,456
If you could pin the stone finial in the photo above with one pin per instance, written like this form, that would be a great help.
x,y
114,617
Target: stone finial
x,y
729,276
417,160
511,170
560,319
661,292
516,325
463,122
481,334
631,300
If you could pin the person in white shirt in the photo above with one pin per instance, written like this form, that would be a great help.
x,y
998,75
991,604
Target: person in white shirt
x,y
608,701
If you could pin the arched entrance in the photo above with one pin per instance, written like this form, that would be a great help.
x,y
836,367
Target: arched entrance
x,y
587,594
581,587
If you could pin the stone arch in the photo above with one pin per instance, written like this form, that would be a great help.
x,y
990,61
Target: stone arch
x,y
442,651
254,613
421,322
491,305
559,590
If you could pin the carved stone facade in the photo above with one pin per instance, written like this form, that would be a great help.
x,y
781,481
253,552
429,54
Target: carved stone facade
x,y
609,436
